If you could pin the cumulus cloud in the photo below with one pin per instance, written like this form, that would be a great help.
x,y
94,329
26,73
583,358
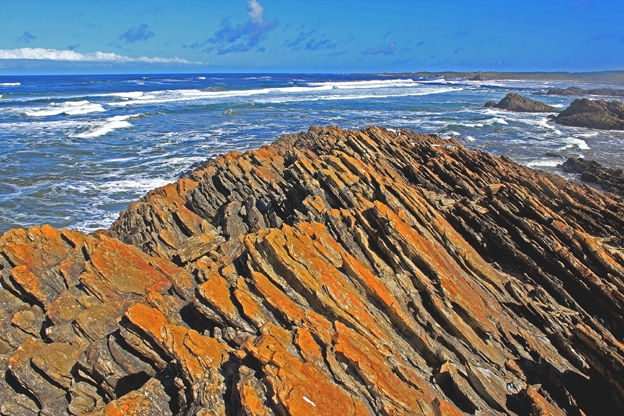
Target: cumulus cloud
x,y
256,11
385,50
26,37
73,56
242,37
137,34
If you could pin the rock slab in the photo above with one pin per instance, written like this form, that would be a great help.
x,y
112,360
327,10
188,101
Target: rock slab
x,y
333,272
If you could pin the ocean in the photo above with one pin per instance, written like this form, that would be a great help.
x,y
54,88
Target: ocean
x,y
76,150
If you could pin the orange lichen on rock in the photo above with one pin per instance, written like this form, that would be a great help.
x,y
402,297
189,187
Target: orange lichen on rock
x,y
333,272
301,388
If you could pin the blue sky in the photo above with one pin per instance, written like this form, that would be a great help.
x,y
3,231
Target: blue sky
x,y
89,36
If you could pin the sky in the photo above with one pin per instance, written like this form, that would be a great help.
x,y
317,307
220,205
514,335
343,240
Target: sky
x,y
302,36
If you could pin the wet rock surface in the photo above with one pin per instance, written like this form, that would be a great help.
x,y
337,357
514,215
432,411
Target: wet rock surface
x,y
518,103
609,179
593,114
333,272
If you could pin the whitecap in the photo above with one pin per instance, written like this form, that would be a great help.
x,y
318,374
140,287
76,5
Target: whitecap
x,y
469,138
327,90
496,120
384,83
575,142
543,162
471,125
70,108
10,84
101,128
134,185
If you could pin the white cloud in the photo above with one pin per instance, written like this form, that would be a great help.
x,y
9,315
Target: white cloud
x,y
73,56
256,11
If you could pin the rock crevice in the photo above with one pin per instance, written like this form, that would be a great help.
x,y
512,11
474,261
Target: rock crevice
x,y
333,272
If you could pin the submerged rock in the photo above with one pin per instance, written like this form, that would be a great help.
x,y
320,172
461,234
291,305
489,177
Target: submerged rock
x,y
593,114
518,103
333,272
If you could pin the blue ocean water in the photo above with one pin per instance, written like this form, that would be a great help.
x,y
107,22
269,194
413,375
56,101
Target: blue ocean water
x,y
75,150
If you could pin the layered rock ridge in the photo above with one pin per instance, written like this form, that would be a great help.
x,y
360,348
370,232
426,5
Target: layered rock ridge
x,y
334,272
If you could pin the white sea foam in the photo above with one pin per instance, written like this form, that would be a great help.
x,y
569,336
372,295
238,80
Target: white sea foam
x,y
469,138
496,120
338,97
472,125
10,84
100,128
313,91
70,108
385,83
135,185
575,142
543,162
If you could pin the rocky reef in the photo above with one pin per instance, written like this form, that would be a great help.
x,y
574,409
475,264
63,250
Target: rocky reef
x,y
609,179
593,114
518,103
572,91
334,272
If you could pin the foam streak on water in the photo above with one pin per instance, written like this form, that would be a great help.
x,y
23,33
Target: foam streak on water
x,y
78,149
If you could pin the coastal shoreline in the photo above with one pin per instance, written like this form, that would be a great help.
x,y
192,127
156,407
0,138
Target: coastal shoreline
x,y
332,271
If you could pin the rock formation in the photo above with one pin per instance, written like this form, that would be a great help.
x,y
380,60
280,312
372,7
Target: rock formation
x,y
518,103
593,114
571,91
609,179
334,272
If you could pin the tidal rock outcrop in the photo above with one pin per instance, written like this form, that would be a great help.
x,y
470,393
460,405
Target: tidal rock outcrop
x,y
593,114
572,91
609,179
334,272
518,103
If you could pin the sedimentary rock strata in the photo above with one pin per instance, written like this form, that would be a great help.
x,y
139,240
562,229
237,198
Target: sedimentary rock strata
x,y
593,114
609,179
334,272
518,103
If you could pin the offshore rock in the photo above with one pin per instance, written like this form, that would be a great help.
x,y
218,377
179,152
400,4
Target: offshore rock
x,y
518,103
333,272
593,114
572,91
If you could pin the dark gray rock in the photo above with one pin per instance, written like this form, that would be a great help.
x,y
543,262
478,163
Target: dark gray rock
x,y
516,102
593,114
609,179
571,91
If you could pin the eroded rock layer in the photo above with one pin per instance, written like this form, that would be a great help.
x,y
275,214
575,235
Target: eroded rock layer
x,y
334,272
